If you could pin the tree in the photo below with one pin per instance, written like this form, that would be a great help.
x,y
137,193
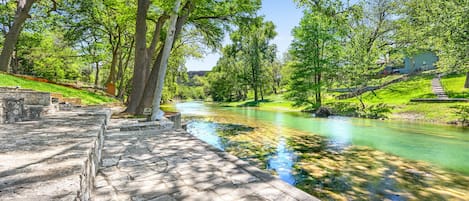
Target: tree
x,y
370,30
439,26
208,17
11,38
314,51
157,114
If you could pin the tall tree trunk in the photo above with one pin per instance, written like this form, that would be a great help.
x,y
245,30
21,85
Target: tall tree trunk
x,y
115,56
466,85
138,81
121,90
151,84
112,73
157,114
96,80
147,97
22,13
154,43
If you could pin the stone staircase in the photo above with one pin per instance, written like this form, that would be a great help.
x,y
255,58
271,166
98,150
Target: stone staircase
x,y
17,105
438,89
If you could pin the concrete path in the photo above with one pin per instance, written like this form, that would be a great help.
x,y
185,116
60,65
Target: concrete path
x,y
174,165
438,89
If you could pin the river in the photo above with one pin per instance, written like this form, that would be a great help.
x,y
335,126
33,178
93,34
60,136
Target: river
x,y
341,158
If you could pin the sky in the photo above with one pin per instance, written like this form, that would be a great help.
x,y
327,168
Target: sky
x,y
283,13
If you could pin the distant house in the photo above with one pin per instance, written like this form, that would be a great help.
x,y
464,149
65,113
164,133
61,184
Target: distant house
x,y
420,62
417,63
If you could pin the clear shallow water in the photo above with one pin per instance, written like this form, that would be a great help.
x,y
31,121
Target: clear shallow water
x,y
341,158
444,146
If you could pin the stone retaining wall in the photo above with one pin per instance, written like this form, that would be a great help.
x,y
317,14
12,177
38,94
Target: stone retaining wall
x,y
55,158
30,97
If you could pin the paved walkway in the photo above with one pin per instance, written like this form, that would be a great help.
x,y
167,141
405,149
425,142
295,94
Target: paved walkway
x,y
174,165
438,89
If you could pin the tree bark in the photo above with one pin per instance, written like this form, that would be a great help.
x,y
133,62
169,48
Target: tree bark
x,y
157,114
154,43
151,84
22,13
121,75
96,80
115,55
466,85
138,81
147,97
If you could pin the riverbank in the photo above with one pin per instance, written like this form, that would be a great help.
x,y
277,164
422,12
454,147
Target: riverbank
x,y
395,98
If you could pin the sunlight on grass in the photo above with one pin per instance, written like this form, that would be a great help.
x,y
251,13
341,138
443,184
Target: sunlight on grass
x,y
87,97
402,92
454,86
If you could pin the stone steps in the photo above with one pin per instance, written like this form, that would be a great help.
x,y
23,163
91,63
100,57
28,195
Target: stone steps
x,y
438,88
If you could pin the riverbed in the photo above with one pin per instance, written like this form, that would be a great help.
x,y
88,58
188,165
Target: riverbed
x,y
340,158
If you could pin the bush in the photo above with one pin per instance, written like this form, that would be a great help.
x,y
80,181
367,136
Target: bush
x,y
463,114
344,108
378,111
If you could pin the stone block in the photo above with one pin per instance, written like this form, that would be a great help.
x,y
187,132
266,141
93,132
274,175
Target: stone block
x,y
33,112
13,110
65,107
175,117
29,97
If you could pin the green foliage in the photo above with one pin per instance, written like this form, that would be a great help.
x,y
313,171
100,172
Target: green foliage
x,y
247,64
377,111
462,111
314,50
437,25
49,58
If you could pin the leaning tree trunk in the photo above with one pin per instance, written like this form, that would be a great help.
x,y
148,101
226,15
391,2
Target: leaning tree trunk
x,y
157,114
138,81
467,81
22,13
151,84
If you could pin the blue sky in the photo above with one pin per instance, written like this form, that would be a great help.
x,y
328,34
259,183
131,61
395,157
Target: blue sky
x,y
285,16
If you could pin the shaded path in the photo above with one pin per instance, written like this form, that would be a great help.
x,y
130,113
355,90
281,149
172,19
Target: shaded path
x,y
174,165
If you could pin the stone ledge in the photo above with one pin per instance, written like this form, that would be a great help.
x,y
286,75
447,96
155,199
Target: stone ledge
x,y
439,100
55,158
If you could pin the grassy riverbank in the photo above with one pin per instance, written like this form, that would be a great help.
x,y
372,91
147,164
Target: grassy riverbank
x,y
396,96
87,98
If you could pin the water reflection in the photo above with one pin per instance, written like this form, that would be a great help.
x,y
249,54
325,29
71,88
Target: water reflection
x,y
207,132
340,136
282,162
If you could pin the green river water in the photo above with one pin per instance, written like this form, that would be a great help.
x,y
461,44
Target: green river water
x,y
341,158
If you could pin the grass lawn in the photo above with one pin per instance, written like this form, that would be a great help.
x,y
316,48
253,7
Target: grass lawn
x,y
454,86
402,92
398,96
271,102
87,98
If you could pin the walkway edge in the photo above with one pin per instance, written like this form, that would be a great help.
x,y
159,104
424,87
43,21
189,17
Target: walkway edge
x,y
264,176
